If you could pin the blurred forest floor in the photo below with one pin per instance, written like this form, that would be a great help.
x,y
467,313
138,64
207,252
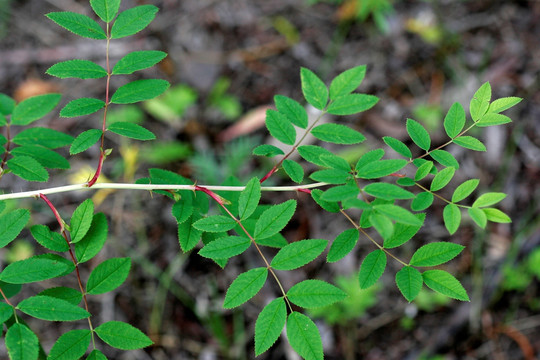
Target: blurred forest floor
x,y
227,59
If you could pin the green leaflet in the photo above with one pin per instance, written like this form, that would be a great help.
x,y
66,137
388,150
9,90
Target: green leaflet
x,y
372,268
403,233
337,134
331,176
249,198
292,109
480,102
409,282
398,214
422,201
444,283
315,293
491,119
387,191
269,324
442,178
294,170
347,81
10,290
488,199
21,343
139,90
79,69
81,220
436,253
7,105
329,206
11,224
470,142
51,309
78,24
36,268
340,193
225,247
84,141
313,153
28,168
423,170
131,130
335,162
444,158
343,245
369,157
304,336
49,138
503,104
244,287
418,134
71,345
451,217
267,150
352,104
93,241
478,216
137,60
105,9
382,224
274,219
464,190
454,120
133,20
313,89
6,312
34,108
82,106
298,254
42,155
108,275
398,146
215,223
188,236
496,215
49,239
280,127
70,295
122,336
96,355
381,168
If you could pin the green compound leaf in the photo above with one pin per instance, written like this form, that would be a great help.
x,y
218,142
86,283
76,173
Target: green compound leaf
x,y
503,104
249,198
311,294
331,176
436,253
108,275
470,142
78,24
280,127
274,219
398,214
292,109
244,287
464,190
488,199
313,89
28,168
105,9
298,254
387,191
84,141
329,206
188,236
122,336
480,102
493,119
369,157
42,155
79,69
49,138
49,239
34,108
81,220
496,215
423,170
36,268
478,216
337,134
381,168
82,106
418,134
403,233
294,170
215,223
397,146
454,120
372,268
137,60
269,324
70,295
342,245
225,247
71,345
11,224
139,90
51,309
451,217
133,20
96,355
340,193
304,336
422,201
93,241
313,153
409,282
444,283
7,105
444,158
131,130
21,343
347,81
267,150
352,104
442,178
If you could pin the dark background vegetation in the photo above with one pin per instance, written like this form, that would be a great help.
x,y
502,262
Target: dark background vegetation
x,y
231,58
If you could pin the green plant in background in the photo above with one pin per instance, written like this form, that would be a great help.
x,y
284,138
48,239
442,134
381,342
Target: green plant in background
x,y
221,222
